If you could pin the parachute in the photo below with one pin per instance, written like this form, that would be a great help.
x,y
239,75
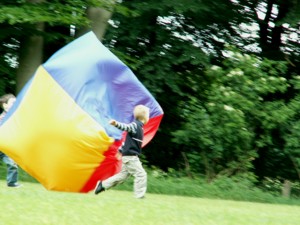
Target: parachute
x,y
58,130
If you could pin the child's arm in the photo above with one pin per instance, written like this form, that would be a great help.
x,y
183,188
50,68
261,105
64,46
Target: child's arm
x,y
131,127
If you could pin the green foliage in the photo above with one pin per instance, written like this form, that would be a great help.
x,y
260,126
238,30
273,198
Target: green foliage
x,y
239,188
274,186
226,118
228,112
68,12
18,21
221,130
31,13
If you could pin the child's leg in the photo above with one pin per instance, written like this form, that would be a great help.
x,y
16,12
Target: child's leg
x,y
117,178
12,171
140,176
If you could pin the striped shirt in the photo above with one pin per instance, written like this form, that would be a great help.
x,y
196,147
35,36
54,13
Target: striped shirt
x,y
134,138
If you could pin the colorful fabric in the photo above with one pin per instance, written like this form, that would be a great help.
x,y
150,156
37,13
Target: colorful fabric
x,y
58,128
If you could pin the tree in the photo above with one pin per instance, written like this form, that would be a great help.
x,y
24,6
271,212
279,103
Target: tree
x,y
222,129
169,48
162,49
28,23
98,17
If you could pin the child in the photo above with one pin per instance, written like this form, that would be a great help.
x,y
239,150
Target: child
x,y
6,102
132,148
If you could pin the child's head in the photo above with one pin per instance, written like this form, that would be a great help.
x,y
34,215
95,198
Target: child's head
x,y
141,113
6,101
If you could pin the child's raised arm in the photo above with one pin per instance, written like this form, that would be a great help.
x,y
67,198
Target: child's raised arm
x,y
131,127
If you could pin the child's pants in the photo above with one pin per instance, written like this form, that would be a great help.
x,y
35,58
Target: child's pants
x,y
12,169
131,165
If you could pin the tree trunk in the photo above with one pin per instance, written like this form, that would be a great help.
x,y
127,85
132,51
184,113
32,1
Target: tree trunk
x,y
271,37
31,55
286,189
209,171
187,165
99,18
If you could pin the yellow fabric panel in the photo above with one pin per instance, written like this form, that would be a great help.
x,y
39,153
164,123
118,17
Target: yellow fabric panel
x,y
52,138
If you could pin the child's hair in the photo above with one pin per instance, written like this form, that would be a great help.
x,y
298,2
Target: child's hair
x,y
141,113
4,99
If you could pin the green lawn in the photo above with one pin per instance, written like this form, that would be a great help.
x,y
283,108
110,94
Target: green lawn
x,y
33,205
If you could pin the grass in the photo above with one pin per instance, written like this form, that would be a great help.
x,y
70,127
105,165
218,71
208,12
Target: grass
x,y
32,204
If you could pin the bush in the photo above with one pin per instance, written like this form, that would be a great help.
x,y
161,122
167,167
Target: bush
x,y
240,188
274,186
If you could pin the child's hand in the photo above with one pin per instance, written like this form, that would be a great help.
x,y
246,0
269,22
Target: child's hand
x,y
113,122
119,155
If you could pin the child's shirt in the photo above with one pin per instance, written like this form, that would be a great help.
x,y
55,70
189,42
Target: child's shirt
x,y
134,139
